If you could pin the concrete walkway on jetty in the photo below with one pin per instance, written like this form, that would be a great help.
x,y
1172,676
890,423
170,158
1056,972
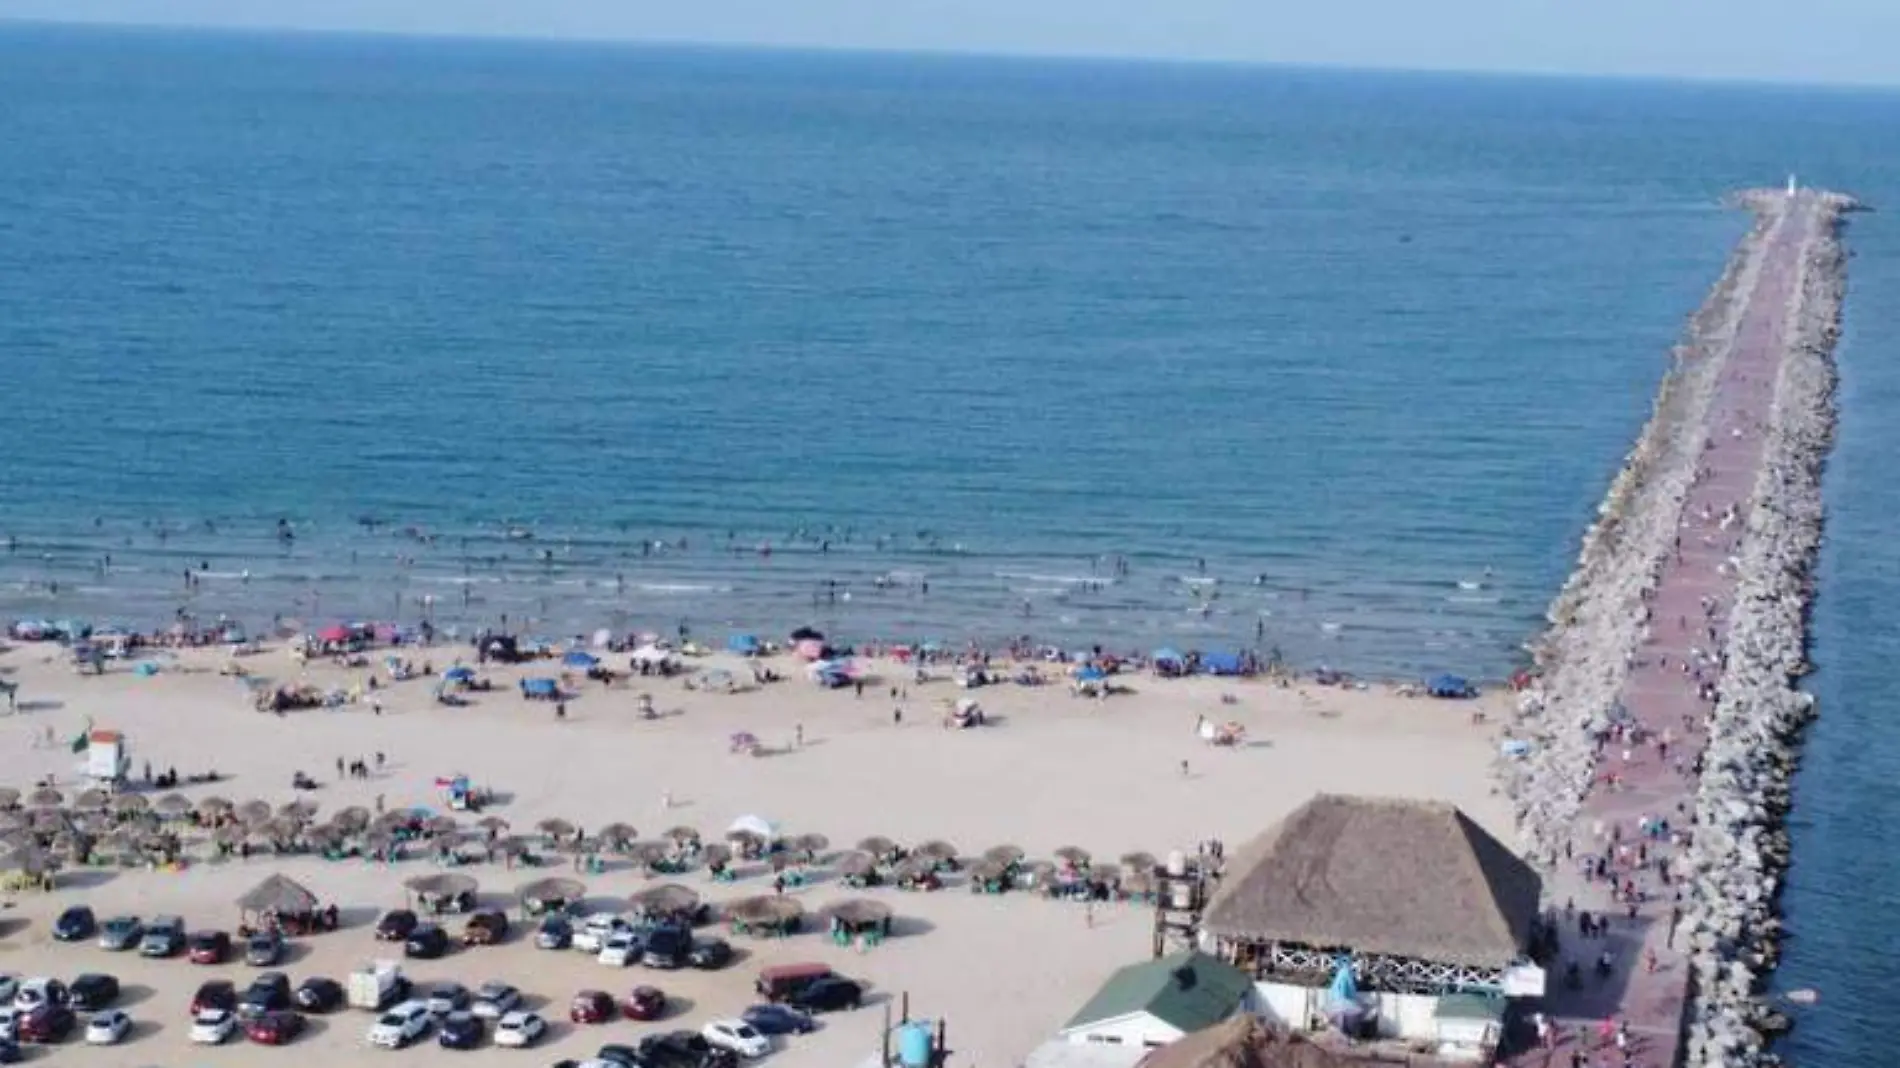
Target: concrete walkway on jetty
x,y
1647,989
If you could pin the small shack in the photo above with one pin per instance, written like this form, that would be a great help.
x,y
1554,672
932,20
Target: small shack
x,y
1155,1002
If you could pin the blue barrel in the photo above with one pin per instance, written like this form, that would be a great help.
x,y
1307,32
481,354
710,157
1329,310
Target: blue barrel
x,y
913,1045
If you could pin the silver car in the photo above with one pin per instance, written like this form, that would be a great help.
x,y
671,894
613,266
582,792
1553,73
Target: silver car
x,y
121,933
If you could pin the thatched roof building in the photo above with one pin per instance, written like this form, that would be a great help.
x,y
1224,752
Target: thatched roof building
x,y
1243,1041
1412,880
280,894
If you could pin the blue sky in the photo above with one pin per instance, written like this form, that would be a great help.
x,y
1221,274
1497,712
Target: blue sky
x,y
1823,41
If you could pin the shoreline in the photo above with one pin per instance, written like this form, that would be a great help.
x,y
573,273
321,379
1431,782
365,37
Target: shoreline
x,y
1684,970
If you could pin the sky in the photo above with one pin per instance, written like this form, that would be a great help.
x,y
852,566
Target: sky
x,y
1815,41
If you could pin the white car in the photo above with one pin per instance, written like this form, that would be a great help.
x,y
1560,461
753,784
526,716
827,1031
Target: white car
x,y
401,1025
738,1036
519,1029
594,931
494,999
9,986
107,1028
619,951
10,1023
212,1026
38,991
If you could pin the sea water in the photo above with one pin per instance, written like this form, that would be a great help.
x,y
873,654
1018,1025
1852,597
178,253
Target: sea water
x,y
1333,364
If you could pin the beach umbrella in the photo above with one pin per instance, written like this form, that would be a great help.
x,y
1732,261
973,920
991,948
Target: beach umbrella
x,y
717,854
1138,861
915,866
214,806
9,797
514,846
667,899
683,834
130,804
857,863
746,841
389,822
1105,874
557,889
555,828
48,820
29,860
440,825
492,823
618,834
988,868
1039,870
1073,855
811,844
857,911
45,796
938,849
354,817
650,852
254,811
877,845
299,810
1004,854
441,884
173,804
229,834
94,798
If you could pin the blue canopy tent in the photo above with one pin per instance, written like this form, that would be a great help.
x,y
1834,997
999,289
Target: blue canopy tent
x,y
1221,664
1166,655
743,644
540,687
1451,686
459,673
1091,673
580,658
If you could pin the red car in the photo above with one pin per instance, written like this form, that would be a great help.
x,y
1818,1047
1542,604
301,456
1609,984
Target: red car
x,y
275,1028
51,1022
591,1007
209,947
645,1003
216,994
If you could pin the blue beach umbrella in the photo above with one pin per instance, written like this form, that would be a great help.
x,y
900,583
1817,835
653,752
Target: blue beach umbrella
x,y
459,673
580,659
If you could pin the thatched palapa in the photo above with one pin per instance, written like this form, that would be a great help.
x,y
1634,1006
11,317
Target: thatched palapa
x,y
441,884
1242,1041
280,894
1406,879
857,911
667,899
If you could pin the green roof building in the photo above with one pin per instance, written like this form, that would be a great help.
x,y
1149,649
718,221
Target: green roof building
x,y
1155,1002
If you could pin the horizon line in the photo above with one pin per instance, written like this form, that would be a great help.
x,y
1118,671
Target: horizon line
x,y
8,22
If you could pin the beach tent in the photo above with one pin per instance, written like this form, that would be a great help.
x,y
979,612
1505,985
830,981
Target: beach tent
x,y
758,825
1166,655
1221,664
651,654
1090,673
581,659
1453,686
743,644
603,638
540,687
459,673
337,633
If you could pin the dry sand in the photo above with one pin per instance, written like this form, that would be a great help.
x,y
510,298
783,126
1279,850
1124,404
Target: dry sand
x,y
1006,971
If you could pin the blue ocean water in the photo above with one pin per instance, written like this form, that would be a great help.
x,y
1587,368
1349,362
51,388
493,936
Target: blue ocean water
x,y
1335,363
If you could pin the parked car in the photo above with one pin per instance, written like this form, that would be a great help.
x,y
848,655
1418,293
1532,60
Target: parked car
x,y
645,1003
781,981
9,1051
828,994
684,1049
445,998
163,937
495,999
264,949
39,991
400,1025
107,1028
621,949
426,942
666,947
395,925
738,1036
318,994
554,933
94,991
209,947
215,994
770,1019
459,1030
278,1027
619,1055
595,930
591,1007
121,933
518,1030
269,992
212,1026
51,1022
485,928
10,1023
75,924
710,954
9,986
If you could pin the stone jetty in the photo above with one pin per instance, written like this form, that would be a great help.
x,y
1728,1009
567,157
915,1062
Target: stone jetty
x,y
1663,723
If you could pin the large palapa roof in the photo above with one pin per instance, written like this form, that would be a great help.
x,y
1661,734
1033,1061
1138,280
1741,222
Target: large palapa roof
x,y
1400,878
1242,1041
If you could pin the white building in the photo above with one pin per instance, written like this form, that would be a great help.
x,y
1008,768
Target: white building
x,y
1146,1006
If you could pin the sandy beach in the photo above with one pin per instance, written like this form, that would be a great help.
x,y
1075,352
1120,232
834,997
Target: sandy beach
x,y
1050,770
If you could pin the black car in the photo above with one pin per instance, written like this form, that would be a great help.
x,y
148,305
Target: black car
x,y
626,1056
268,992
426,942
827,994
264,949
684,1049
459,1030
216,994
317,994
9,1051
710,955
74,924
93,991
666,947
774,1019
396,925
